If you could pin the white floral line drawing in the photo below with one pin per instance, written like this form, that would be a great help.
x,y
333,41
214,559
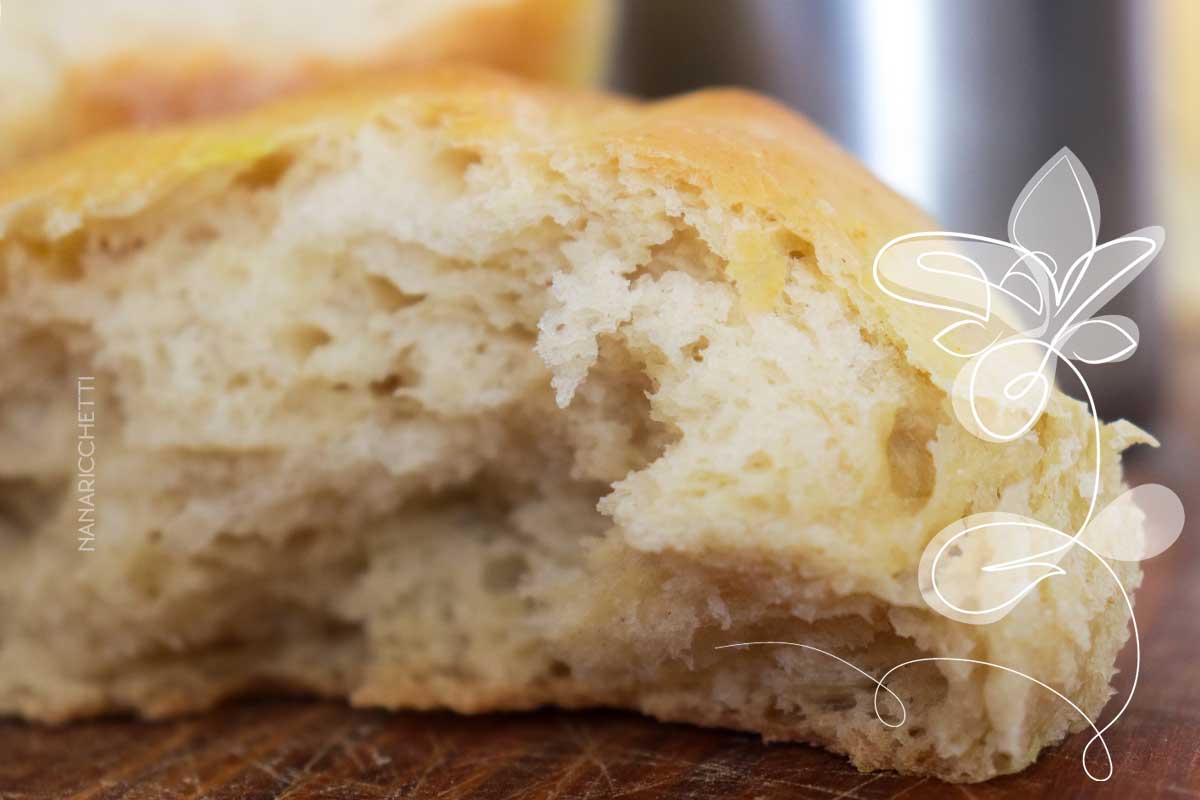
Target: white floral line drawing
x,y
1019,307
881,683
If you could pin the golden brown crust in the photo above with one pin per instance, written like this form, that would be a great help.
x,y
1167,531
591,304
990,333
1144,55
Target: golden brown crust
x,y
749,152
161,82
120,173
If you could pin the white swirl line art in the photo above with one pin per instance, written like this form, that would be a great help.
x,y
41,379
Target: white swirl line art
x,y
1016,309
881,683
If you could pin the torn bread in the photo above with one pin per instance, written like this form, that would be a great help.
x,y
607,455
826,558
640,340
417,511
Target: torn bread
x,y
69,69
455,392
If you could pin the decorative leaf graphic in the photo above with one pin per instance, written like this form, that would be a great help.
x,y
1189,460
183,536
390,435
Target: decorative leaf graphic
x,y
1000,394
1028,287
1096,278
930,270
1045,286
972,276
977,570
1139,524
1102,340
1057,214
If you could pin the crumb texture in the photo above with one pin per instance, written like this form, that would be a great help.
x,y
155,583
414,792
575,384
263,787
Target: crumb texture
x,y
470,395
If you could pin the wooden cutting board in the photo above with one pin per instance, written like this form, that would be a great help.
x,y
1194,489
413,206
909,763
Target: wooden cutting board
x,y
308,749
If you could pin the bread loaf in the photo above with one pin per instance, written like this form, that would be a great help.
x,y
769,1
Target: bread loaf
x,y
455,392
70,69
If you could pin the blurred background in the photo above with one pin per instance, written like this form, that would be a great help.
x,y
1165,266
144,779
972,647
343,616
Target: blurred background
x,y
957,103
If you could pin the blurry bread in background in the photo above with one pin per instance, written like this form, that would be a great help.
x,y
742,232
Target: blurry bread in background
x,y
70,68
468,393
1177,157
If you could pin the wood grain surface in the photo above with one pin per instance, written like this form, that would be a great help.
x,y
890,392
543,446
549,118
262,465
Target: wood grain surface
x,y
292,748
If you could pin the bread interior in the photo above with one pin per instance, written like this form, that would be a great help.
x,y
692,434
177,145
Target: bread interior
x,y
433,424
